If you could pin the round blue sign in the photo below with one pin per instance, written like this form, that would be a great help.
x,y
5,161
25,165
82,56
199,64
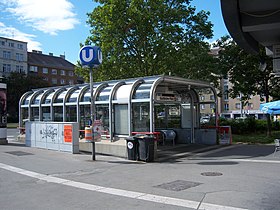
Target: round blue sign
x,y
90,56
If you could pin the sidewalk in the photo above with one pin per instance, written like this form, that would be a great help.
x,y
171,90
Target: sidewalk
x,y
195,176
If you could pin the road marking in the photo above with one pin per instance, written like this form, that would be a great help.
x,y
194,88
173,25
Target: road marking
x,y
119,192
253,160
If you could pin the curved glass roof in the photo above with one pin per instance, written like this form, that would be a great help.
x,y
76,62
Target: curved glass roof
x,y
117,90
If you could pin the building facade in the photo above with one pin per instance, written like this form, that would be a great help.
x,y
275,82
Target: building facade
x,y
13,56
53,69
233,107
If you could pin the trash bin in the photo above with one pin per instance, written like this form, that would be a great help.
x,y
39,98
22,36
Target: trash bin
x,y
132,148
146,147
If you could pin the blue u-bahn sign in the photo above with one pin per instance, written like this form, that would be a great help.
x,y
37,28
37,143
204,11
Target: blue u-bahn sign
x,y
90,56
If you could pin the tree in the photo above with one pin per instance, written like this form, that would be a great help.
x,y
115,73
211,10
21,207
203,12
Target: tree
x,y
17,85
147,37
249,74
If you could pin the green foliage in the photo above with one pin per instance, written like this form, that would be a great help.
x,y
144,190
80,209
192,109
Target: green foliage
x,y
259,138
17,85
146,37
248,125
247,73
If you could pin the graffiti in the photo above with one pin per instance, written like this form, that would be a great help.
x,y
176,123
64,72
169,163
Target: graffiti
x,y
50,131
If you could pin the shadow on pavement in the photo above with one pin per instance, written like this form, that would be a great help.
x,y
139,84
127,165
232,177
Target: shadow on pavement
x,y
240,151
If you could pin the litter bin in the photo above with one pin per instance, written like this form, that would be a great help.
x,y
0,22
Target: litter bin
x,y
132,148
146,147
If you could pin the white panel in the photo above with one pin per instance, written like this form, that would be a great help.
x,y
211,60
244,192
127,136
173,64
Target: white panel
x,y
121,119
50,135
123,93
186,118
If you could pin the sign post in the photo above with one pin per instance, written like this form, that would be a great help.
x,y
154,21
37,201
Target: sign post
x,y
91,56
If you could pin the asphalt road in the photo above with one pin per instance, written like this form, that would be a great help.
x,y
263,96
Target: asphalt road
x,y
232,177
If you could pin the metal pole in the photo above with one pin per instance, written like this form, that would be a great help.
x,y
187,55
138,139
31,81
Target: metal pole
x,y
92,109
241,107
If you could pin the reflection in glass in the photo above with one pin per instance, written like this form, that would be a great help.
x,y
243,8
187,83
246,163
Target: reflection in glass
x,y
167,116
102,114
46,112
84,115
71,113
58,113
140,117
34,114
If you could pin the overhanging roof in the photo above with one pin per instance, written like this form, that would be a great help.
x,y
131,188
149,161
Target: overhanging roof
x,y
253,22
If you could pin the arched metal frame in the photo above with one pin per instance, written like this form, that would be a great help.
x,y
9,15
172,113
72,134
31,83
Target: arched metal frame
x,y
155,81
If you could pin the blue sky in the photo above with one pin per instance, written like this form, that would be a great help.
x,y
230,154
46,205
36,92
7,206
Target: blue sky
x,y
58,26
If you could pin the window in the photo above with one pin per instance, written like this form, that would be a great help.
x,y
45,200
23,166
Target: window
x,y
71,74
20,46
212,106
141,116
226,92
54,71
11,44
250,105
62,72
46,79
6,67
54,81
62,81
2,43
166,116
6,54
202,98
237,105
19,57
45,71
33,68
226,107
202,106
212,98
71,82
19,69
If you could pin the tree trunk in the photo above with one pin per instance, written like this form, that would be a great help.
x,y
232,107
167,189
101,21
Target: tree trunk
x,y
268,118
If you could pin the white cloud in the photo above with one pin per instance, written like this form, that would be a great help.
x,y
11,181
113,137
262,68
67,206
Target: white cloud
x,y
48,16
13,33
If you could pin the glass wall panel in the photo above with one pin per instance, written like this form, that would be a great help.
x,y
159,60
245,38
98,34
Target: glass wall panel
x,y
37,99
141,117
74,96
71,113
48,98
121,119
34,114
58,113
46,113
26,101
167,116
102,114
186,116
84,115
86,97
142,91
104,94
60,97
24,114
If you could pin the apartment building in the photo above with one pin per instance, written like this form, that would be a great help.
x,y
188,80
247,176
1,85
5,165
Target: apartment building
x,y
13,56
233,108
54,69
